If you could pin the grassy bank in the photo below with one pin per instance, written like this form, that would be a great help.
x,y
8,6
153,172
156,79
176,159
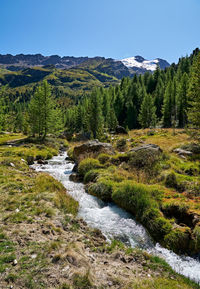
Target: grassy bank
x,y
160,188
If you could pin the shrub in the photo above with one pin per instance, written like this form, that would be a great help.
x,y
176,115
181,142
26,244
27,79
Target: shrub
x,y
141,201
103,158
70,152
178,240
159,227
30,160
121,144
134,197
144,159
102,190
91,176
171,181
86,165
196,237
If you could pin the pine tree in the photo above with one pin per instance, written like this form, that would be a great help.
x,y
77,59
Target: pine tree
x,y
182,101
167,105
96,117
147,116
194,93
44,117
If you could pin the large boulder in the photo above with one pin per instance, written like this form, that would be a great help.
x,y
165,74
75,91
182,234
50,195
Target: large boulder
x,y
144,156
91,147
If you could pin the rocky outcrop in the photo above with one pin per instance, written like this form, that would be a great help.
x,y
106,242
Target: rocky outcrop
x,y
92,147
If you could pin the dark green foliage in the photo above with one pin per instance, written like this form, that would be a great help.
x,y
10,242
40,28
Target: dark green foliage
x,y
43,115
144,101
171,181
147,116
194,93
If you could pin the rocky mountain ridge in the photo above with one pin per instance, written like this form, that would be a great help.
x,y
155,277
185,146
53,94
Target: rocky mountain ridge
x,y
117,68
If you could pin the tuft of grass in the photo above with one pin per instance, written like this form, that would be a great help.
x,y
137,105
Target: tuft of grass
x,y
88,164
163,283
82,281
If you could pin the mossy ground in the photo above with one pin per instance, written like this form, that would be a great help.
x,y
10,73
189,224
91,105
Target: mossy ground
x,y
43,244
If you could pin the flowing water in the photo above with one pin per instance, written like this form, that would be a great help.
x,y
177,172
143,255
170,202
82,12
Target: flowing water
x,y
113,221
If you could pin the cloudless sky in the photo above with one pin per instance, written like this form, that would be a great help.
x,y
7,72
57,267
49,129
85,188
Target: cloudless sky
x,y
166,29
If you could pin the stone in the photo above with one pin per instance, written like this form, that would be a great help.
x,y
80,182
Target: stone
x,y
120,130
182,152
12,165
74,177
75,168
42,162
92,147
147,147
68,159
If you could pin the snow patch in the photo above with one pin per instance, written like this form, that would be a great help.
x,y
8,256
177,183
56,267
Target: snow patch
x,y
145,64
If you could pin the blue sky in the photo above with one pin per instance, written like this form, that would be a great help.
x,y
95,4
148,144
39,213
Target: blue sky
x,y
167,29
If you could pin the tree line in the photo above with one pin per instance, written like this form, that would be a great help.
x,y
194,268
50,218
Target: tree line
x,y
166,98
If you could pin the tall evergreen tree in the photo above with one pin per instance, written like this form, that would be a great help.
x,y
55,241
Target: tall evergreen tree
x,y
96,117
147,116
44,117
194,93
182,100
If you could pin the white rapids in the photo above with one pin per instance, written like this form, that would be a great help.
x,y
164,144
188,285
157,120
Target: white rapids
x,y
113,221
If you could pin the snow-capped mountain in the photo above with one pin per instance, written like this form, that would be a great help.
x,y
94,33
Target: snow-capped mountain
x,y
140,65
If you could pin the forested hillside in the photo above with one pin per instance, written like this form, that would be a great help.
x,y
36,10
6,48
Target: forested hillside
x,y
161,99
86,93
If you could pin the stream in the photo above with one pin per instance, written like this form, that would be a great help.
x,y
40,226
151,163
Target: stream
x,y
113,221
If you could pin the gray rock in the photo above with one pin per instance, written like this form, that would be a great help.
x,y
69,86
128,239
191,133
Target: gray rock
x,y
182,152
74,177
147,147
120,130
42,162
92,147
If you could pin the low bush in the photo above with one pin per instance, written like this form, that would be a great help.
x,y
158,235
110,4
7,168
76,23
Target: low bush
x,y
121,144
135,197
102,190
143,202
171,181
103,158
91,176
178,240
196,237
86,165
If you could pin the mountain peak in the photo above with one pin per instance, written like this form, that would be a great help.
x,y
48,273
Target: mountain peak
x,y
140,64
139,58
